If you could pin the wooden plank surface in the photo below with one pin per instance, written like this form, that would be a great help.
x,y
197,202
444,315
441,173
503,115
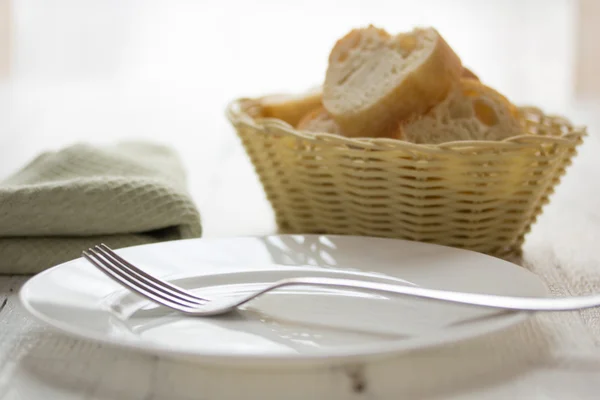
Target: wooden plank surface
x,y
553,356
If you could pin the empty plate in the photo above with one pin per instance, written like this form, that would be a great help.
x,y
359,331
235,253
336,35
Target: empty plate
x,y
291,325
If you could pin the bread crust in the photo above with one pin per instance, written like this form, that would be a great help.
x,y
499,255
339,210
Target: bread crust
x,y
468,74
291,108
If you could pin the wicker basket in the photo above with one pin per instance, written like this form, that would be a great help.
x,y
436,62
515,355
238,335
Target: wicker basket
x,y
482,196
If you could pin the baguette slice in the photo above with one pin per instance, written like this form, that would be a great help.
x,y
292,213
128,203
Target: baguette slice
x,y
374,80
472,111
291,108
319,121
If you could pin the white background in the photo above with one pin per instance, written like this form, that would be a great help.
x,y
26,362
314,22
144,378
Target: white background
x,y
100,71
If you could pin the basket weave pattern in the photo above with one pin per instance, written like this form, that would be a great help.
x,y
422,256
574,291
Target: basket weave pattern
x,y
482,196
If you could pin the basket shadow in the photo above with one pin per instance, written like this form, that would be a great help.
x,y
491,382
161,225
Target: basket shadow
x,y
341,251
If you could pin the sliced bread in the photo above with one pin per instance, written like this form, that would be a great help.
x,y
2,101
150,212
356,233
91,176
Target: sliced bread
x,y
373,80
291,107
318,120
472,111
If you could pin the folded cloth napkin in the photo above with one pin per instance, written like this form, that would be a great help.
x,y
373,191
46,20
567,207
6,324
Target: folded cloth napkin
x,y
66,201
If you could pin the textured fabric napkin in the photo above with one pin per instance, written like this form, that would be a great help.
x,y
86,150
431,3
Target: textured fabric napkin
x,y
68,200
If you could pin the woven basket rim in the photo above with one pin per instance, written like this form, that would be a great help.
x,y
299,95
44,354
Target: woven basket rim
x,y
237,115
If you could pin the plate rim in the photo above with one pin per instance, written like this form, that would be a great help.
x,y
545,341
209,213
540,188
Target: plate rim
x,y
371,352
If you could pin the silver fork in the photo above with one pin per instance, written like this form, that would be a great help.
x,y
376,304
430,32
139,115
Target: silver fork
x,y
179,299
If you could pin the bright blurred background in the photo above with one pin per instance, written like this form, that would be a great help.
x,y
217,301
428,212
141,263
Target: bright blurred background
x,y
89,70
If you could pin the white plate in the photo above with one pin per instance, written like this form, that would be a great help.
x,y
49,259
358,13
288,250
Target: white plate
x,y
297,324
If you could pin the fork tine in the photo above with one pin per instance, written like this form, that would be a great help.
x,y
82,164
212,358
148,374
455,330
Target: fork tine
x,y
153,281
115,272
143,278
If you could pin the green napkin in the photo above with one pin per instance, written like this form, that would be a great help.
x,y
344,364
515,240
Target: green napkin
x,y
66,201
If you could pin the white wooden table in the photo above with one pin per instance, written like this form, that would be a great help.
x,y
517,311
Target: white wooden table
x,y
154,94
551,357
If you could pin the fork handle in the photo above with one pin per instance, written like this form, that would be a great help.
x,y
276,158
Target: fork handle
x,y
475,299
